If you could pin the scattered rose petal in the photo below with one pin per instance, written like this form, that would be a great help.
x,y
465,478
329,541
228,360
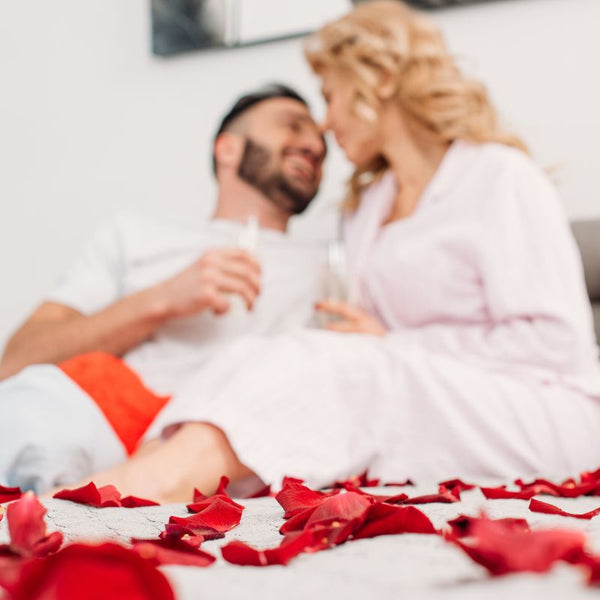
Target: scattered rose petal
x,y
89,494
503,548
298,521
461,526
202,505
10,569
457,483
386,519
287,480
92,572
343,507
239,553
361,480
500,492
27,529
295,497
399,483
215,516
262,493
588,476
544,507
567,489
8,494
589,485
178,527
221,490
135,502
173,551
396,499
221,514
444,495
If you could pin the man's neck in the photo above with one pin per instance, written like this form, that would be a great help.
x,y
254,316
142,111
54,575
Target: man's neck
x,y
237,201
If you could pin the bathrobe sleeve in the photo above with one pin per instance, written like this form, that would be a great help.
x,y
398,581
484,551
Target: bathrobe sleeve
x,y
531,275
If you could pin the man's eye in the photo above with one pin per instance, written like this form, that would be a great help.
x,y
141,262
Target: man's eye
x,y
295,127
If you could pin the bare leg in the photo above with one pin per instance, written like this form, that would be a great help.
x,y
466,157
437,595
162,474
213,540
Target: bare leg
x,y
196,455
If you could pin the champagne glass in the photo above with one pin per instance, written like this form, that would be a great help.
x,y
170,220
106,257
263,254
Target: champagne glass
x,y
333,280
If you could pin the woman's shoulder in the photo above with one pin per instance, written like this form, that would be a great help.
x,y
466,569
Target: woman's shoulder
x,y
503,159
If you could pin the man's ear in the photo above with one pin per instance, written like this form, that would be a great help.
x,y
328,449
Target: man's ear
x,y
229,148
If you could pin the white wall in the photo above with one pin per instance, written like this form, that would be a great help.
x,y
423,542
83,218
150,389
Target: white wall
x,y
91,122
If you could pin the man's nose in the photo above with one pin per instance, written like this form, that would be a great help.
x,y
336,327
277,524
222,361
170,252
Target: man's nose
x,y
315,143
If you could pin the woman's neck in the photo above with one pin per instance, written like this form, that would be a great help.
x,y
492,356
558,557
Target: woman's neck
x,y
414,160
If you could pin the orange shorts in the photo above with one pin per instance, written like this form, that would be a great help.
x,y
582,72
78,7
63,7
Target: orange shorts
x,y
128,405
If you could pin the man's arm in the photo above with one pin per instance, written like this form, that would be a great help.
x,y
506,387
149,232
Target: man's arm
x,y
55,332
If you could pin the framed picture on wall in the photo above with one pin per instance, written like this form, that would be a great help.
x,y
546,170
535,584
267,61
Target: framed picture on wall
x,y
183,25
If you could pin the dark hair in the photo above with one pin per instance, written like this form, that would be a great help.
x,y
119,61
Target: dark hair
x,y
272,90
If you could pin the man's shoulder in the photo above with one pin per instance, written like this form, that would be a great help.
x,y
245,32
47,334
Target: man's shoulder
x,y
134,229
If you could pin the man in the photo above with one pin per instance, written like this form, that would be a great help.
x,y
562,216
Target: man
x,y
163,298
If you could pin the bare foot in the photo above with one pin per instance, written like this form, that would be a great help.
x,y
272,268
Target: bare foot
x,y
196,455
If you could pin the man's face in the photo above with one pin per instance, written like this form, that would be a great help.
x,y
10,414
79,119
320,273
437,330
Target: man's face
x,y
284,153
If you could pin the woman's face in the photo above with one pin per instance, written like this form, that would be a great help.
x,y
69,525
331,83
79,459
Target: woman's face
x,y
359,139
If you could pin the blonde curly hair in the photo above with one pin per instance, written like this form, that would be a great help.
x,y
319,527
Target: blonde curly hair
x,y
386,37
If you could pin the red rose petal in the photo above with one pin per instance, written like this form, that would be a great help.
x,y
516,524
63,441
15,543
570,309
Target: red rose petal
x,y
567,489
386,519
172,551
295,497
396,499
177,527
329,533
461,526
298,521
342,507
361,480
135,502
495,493
27,528
287,480
220,514
10,569
399,483
8,494
239,553
217,515
202,505
457,483
444,496
92,572
221,490
89,494
544,507
588,476
262,493
502,548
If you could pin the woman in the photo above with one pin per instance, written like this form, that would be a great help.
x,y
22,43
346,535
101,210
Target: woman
x,y
470,348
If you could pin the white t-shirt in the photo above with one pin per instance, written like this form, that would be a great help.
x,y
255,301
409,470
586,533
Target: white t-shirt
x,y
131,253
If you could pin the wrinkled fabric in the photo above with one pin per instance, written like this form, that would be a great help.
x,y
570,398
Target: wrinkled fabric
x,y
490,364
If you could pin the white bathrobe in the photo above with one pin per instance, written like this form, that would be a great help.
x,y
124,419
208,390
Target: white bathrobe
x,y
490,364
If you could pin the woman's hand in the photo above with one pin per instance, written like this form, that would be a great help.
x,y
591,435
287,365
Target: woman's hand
x,y
354,320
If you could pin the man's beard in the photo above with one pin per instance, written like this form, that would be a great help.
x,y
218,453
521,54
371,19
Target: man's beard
x,y
280,190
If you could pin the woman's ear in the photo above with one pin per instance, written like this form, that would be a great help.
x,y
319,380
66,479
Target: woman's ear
x,y
386,87
229,148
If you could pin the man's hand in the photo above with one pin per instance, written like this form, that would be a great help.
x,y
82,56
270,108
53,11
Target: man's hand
x,y
353,319
206,284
